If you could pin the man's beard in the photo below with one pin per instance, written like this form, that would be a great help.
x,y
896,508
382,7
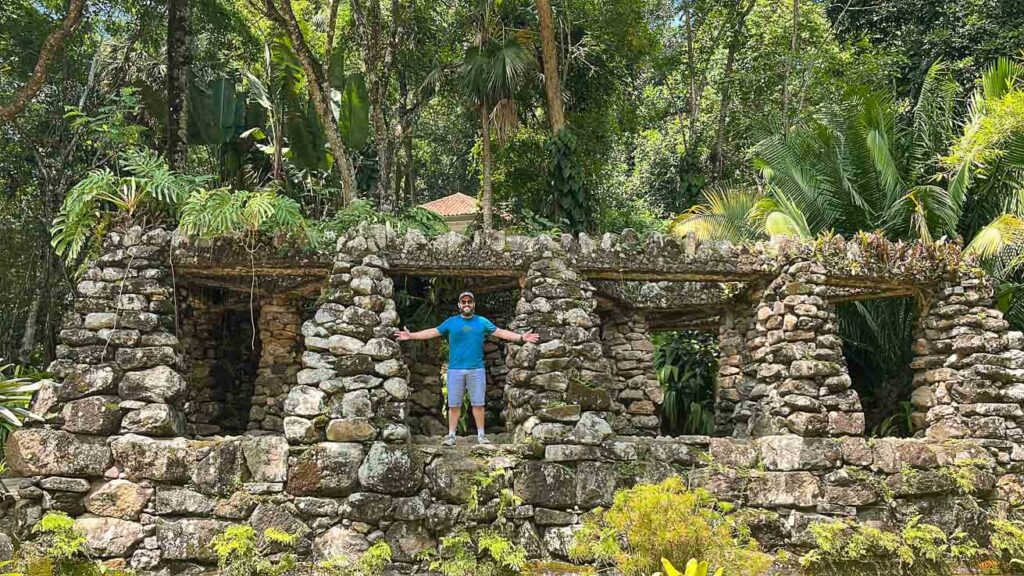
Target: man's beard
x,y
466,311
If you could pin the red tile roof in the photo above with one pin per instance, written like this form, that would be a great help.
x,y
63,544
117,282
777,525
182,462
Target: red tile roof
x,y
454,205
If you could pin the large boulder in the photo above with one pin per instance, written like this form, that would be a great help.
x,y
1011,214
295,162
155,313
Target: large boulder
x,y
267,457
789,453
326,469
451,477
220,468
595,484
154,420
143,458
350,430
97,415
188,539
391,469
282,517
546,484
408,539
118,499
160,384
366,507
109,537
39,452
94,380
784,489
304,401
182,502
340,545
591,429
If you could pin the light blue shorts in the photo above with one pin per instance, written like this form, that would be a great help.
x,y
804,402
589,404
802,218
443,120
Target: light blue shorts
x,y
459,381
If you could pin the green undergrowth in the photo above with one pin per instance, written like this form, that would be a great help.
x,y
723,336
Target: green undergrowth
x,y
58,549
917,549
654,521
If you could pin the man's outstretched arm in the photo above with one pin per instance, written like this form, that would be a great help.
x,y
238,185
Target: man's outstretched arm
x,y
427,334
528,336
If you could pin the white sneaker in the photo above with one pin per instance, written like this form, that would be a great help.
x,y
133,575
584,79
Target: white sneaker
x,y
481,439
449,440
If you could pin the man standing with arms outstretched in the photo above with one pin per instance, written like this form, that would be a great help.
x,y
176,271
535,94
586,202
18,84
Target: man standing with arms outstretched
x,y
466,332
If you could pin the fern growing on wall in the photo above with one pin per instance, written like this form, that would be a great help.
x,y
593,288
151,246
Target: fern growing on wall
x,y
142,186
221,212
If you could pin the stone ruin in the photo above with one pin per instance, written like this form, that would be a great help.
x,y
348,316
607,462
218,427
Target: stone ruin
x,y
199,384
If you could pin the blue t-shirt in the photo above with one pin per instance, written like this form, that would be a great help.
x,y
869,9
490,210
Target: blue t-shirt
x,y
466,340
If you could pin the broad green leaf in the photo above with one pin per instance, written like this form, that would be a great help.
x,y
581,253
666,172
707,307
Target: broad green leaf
x,y
352,110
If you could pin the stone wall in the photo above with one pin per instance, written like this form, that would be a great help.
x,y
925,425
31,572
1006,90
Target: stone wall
x,y
796,357
280,349
969,370
331,458
118,359
636,395
170,497
221,357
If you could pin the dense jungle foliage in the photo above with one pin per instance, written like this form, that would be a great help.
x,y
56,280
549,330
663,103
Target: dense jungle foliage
x,y
737,119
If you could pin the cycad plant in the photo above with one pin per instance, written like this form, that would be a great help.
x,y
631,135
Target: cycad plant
x,y
869,165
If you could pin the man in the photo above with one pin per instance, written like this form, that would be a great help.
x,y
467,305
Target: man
x,y
466,332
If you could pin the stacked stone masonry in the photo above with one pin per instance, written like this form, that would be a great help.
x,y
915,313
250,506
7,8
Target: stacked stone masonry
x,y
969,370
636,394
221,355
330,454
796,358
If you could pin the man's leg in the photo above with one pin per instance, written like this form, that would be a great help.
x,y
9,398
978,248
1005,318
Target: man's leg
x,y
453,418
477,385
456,389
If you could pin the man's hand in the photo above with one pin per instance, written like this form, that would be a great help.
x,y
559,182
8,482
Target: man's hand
x,y
403,334
529,336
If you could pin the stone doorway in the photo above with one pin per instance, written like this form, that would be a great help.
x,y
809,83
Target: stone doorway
x,y
424,302
222,345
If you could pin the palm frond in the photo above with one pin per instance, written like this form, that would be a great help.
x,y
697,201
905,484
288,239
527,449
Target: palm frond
x,y
1004,231
777,216
724,215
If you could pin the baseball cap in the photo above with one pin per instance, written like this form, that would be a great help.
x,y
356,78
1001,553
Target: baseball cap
x,y
467,293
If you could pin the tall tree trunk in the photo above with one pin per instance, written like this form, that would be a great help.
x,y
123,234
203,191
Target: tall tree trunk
x,y
410,170
177,82
316,84
51,46
718,160
28,337
378,47
552,88
789,67
486,202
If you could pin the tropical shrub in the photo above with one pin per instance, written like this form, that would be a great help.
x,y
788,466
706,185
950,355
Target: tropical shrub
x,y
15,395
654,521
491,555
58,550
685,365
240,552
372,562
222,212
849,549
1008,545
142,187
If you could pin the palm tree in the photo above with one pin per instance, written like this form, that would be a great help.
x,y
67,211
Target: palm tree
x,y
866,166
861,166
491,71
